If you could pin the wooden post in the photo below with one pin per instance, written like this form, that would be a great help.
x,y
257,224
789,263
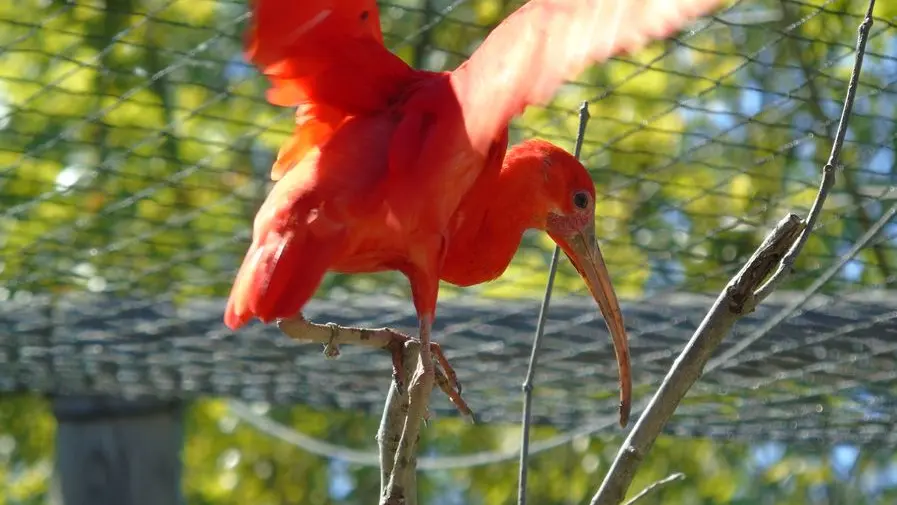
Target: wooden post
x,y
117,452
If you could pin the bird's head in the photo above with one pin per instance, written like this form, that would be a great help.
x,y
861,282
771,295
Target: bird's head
x,y
568,200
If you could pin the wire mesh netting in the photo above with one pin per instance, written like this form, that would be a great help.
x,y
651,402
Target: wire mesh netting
x,y
135,145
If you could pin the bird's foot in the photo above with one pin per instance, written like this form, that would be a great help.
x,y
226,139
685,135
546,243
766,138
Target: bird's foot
x,y
453,393
444,376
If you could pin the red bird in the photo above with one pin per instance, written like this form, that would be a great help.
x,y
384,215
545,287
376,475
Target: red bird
x,y
392,168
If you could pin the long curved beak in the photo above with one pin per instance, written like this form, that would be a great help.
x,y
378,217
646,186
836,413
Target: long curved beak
x,y
582,249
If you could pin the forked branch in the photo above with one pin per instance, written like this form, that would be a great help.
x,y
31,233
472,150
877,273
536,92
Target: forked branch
x,y
772,263
397,443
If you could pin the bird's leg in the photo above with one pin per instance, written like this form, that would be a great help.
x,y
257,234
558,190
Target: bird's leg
x,y
450,375
425,371
444,376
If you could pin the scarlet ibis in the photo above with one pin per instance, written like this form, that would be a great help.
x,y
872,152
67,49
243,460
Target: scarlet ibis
x,y
392,168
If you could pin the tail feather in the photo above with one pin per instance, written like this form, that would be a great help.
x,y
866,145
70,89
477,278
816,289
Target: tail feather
x,y
280,273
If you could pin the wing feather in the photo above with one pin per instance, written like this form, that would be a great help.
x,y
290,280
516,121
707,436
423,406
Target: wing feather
x,y
545,42
325,57
293,244
328,52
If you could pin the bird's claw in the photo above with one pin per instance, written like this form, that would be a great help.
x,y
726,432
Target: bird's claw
x,y
444,375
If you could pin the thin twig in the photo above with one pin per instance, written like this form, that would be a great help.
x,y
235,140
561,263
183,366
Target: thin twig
x,y
828,171
662,482
808,293
814,106
828,180
540,330
741,296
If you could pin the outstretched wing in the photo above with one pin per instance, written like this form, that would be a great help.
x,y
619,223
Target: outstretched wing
x,y
327,58
545,42
328,52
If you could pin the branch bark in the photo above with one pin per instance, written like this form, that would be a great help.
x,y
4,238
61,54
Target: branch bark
x,y
390,433
741,296
333,335
401,487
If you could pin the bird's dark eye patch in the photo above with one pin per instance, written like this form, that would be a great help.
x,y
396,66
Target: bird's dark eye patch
x,y
364,15
580,200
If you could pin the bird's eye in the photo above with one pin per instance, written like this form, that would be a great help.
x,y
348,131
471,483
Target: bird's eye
x,y
581,200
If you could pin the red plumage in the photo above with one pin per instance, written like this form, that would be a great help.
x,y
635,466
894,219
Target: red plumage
x,y
392,168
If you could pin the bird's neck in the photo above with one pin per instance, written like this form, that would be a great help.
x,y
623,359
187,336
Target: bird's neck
x,y
491,221
517,197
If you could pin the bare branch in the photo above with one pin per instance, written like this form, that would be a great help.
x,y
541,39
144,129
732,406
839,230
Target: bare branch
x,y
828,171
333,335
828,180
731,304
645,492
814,106
743,293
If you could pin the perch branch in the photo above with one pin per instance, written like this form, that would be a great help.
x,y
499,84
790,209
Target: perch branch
x,y
333,335
398,491
399,428
398,480
743,293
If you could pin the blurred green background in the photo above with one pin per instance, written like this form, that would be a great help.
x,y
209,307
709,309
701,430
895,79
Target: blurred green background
x,y
135,145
